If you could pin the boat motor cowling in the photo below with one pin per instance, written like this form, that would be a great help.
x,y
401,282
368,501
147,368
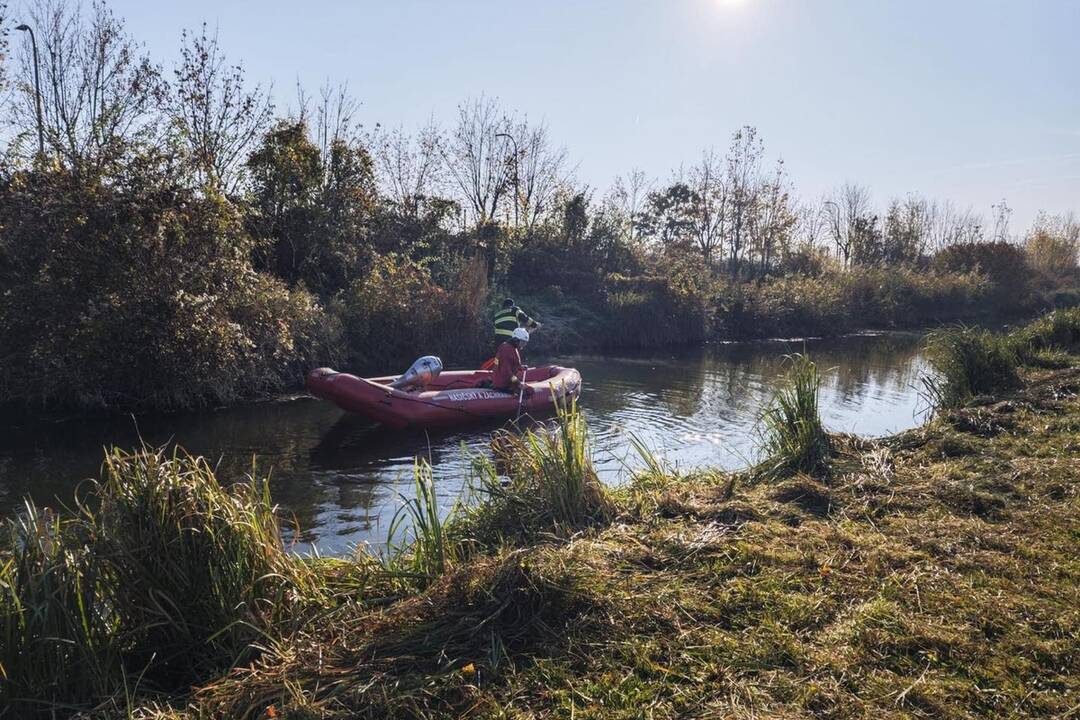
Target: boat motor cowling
x,y
422,372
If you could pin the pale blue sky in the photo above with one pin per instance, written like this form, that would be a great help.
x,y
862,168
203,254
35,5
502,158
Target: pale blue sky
x,y
960,99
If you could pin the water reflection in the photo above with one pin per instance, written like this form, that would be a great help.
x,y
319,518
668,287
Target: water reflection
x,y
339,477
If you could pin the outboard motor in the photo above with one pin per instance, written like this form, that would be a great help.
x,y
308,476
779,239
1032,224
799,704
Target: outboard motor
x,y
422,372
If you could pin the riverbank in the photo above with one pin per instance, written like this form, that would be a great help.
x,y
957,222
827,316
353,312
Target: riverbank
x,y
928,574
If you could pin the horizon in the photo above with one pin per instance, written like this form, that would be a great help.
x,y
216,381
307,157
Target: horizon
x,y
840,92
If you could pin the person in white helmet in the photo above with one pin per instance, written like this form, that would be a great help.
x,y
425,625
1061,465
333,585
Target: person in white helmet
x,y
507,373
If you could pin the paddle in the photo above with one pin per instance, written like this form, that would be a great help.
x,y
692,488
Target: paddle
x,y
521,392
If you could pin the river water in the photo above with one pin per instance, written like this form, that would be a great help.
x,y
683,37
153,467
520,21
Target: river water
x,y
341,479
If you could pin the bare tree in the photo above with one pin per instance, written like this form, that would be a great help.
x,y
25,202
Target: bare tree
x,y
410,167
216,117
99,90
845,212
908,229
812,227
708,184
537,173
773,220
949,226
333,118
476,156
743,170
628,197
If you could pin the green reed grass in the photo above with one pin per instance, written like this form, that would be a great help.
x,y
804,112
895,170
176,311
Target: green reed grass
x,y
160,579
541,481
199,572
1059,330
794,438
969,362
59,639
430,551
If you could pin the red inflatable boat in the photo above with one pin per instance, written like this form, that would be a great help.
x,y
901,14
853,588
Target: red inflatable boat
x,y
452,398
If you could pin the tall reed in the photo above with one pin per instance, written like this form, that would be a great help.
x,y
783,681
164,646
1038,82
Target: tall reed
x,y
541,481
59,638
198,572
160,579
794,437
418,544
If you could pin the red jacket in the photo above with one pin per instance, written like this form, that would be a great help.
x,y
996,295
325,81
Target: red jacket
x,y
507,371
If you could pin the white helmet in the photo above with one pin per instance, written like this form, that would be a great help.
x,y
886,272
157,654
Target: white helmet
x,y
521,334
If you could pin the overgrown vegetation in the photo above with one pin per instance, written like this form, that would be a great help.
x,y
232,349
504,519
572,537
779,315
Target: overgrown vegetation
x,y
930,574
160,579
973,361
149,259
540,483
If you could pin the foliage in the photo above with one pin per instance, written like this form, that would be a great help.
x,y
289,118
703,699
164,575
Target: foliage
x,y
178,245
396,310
1003,264
138,294
1053,249
313,213
654,311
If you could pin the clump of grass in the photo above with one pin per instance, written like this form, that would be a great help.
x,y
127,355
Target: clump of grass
x,y
431,551
550,485
198,572
795,440
969,362
1059,330
58,637
161,578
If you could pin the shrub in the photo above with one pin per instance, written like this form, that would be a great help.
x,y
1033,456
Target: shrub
x,y
1053,249
138,293
1004,265
397,312
654,311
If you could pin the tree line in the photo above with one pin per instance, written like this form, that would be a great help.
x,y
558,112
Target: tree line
x,y
177,220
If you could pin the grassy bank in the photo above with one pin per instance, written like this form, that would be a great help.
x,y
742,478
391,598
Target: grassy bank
x,y
929,574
